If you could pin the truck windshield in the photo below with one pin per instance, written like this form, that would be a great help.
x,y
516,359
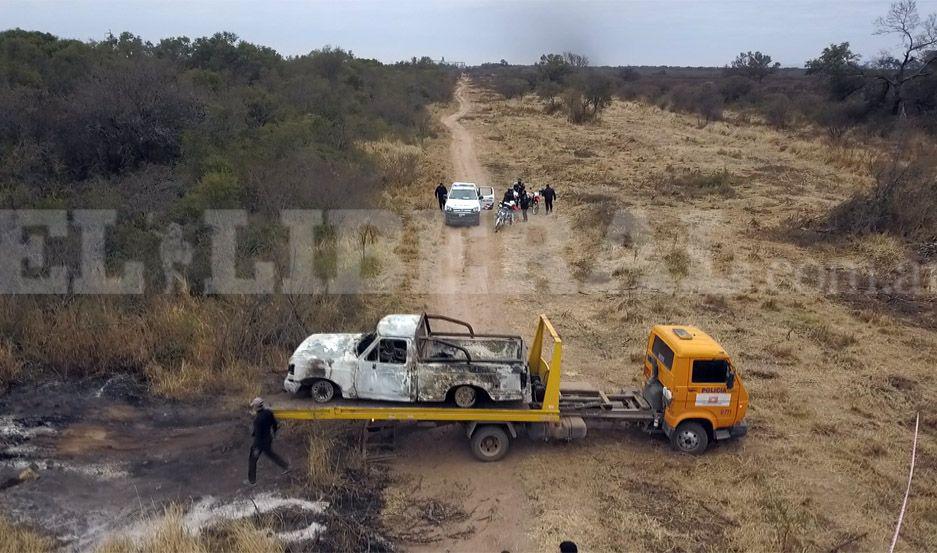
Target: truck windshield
x,y
710,371
463,194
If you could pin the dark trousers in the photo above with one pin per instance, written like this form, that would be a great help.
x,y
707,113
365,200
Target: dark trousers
x,y
549,205
524,211
442,201
256,451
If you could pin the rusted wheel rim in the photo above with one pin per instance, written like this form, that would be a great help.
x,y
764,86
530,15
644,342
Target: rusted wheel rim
x,y
465,396
490,446
688,441
322,391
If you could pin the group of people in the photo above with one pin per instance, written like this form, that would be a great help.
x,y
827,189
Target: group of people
x,y
517,193
519,196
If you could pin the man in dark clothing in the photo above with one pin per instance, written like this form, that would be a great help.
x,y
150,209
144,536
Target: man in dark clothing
x,y
441,194
509,195
265,427
525,204
548,196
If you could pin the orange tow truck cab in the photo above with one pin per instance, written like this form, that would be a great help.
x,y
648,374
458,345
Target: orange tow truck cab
x,y
690,380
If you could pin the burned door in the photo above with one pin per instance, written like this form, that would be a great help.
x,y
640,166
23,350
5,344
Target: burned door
x,y
384,371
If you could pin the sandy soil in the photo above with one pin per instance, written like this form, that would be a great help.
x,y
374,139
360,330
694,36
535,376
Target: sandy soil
x,y
436,463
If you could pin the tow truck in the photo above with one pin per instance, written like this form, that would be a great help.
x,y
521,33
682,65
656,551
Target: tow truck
x,y
692,393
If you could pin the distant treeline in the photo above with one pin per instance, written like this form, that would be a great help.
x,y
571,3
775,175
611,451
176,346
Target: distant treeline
x,y
226,117
836,90
162,131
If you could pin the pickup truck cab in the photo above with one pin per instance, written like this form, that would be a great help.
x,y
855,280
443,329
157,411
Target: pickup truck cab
x,y
691,379
404,360
463,206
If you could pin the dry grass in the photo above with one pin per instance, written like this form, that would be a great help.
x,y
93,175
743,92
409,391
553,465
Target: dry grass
x,y
883,252
19,539
168,534
399,163
824,461
415,519
331,455
184,346
10,366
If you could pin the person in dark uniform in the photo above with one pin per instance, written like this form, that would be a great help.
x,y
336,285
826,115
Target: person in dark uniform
x,y
525,204
265,427
441,194
548,196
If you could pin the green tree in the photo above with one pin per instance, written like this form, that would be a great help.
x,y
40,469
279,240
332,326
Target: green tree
x,y
754,65
553,67
839,67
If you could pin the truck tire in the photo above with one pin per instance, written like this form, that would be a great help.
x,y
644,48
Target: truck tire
x,y
465,396
490,443
690,437
322,391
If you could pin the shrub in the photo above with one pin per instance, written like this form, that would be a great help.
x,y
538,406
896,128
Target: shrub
x,y
901,202
511,87
703,100
577,107
778,110
735,87
677,263
696,182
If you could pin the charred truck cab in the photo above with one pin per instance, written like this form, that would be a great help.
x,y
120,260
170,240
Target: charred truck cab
x,y
691,381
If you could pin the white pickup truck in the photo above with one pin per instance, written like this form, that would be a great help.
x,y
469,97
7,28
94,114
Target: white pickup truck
x,y
463,204
405,360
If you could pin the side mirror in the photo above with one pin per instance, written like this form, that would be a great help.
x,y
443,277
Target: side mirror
x,y
730,381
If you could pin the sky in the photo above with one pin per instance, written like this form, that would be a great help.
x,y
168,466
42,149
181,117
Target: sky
x,y
623,32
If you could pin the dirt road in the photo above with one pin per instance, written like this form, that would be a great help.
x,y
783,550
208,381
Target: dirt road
x,y
436,463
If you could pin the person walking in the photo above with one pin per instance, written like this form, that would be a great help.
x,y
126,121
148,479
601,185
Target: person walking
x,y
548,196
525,204
265,428
441,194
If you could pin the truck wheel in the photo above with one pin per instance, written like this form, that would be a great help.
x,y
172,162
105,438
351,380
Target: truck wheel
x,y
465,396
690,437
490,443
322,391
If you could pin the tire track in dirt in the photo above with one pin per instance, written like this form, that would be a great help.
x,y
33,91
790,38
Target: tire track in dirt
x,y
436,464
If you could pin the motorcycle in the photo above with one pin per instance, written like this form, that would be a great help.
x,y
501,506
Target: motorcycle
x,y
505,215
535,202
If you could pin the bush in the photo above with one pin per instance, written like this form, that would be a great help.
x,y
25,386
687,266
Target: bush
x,y
577,107
512,87
902,201
703,100
778,111
735,87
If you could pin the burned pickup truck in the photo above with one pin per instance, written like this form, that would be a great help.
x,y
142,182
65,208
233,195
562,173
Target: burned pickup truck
x,y
405,360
